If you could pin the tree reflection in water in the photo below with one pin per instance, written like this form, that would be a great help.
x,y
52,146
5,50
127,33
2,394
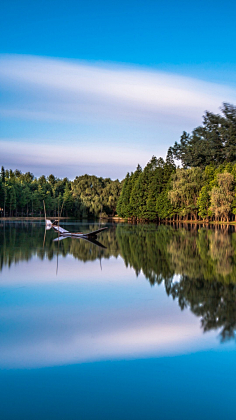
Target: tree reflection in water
x,y
197,266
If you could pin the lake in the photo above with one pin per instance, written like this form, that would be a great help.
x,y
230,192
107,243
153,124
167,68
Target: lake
x,y
140,325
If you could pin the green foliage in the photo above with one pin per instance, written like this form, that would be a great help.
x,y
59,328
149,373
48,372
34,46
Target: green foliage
x,y
164,206
213,142
2,194
186,185
222,196
93,196
126,192
141,190
203,202
22,195
68,201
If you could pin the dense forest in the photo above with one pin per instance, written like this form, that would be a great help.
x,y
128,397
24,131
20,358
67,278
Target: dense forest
x,y
203,188
21,194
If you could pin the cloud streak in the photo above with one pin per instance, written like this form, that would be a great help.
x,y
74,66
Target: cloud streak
x,y
67,90
66,160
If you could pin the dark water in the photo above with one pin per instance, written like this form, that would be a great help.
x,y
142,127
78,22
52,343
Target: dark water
x,y
141,329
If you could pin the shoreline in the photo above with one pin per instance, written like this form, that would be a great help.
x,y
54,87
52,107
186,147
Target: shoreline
x,y
164,222
23,218
121,219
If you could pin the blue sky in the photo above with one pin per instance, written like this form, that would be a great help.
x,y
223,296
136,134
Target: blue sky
x,y
97,87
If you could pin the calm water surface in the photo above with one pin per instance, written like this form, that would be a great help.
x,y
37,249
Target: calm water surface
x,y
140,326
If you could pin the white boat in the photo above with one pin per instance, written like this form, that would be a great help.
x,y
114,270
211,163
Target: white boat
x,y
66,233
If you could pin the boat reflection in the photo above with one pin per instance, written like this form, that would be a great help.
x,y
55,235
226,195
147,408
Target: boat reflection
x,y
90,240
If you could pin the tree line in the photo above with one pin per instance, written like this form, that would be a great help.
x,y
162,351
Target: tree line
x,y
203,188
22,194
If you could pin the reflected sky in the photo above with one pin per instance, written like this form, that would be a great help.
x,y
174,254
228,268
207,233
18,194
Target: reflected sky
x,y
66,311
107,315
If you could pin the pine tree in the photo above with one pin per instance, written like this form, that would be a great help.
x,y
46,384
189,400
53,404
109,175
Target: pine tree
x,y
155,189
126,208
121,205
68,200
134,196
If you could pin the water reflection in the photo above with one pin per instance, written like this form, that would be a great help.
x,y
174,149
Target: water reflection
x,y
20,242
197,267
204,260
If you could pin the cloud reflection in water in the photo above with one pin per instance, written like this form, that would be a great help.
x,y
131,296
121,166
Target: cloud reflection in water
x,y
89,315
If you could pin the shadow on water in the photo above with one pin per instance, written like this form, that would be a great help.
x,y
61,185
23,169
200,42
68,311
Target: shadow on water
x,y
196,266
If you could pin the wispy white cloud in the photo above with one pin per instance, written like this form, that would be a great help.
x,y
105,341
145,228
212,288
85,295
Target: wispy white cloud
x,y
58,153
67,90
67,160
